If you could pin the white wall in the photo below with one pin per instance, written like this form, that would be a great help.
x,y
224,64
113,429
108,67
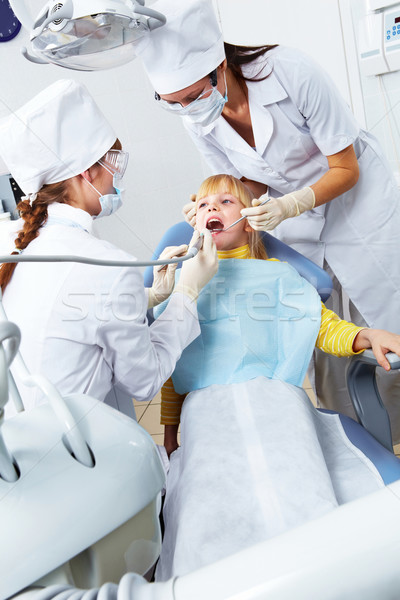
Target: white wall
x,y
381,96
314,26
165,168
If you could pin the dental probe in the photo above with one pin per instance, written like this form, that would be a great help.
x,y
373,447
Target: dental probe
x,y
241,218
16,258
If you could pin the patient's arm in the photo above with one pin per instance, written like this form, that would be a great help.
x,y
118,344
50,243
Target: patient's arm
x,y
171,405
336,336
380,341
341,338
171,438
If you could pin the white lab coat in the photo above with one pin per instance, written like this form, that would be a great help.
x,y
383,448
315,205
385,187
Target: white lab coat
x,y
84,327
298,119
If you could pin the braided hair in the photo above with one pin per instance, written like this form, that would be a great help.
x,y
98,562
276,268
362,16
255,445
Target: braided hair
x,y
34,218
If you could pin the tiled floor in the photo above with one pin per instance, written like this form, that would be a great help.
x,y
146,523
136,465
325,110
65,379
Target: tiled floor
x,y
148,415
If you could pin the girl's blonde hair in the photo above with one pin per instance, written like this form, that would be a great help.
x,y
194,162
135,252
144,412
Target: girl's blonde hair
x,y
229,184
35,217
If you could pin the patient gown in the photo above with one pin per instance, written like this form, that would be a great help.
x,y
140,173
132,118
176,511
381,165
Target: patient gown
x,y
256,458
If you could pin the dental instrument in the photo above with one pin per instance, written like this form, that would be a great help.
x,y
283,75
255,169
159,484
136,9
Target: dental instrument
x,y
195,249
241,219
86,36
191,253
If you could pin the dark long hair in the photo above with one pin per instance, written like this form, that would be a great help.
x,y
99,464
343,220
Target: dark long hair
x,y
237,56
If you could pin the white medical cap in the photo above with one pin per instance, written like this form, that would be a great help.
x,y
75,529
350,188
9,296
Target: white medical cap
x,y
184,50
58,134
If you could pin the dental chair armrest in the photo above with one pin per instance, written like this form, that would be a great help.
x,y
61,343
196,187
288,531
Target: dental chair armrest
x,y
368,357
365,397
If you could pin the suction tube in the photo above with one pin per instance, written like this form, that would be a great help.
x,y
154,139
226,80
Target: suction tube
x,y
14,258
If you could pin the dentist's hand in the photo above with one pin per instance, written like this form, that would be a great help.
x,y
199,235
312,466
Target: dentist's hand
x,y
164,280
198,271
276,210
189,211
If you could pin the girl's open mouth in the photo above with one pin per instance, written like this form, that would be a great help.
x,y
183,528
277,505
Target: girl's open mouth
x,y
215,225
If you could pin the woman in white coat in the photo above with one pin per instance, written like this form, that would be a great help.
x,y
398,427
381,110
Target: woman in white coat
x,y
84,326
273,118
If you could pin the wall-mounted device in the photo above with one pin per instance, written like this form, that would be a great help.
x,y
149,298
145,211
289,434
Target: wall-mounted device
x,y
10,195
379,39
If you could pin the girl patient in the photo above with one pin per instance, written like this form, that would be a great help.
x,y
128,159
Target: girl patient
x,y
256,458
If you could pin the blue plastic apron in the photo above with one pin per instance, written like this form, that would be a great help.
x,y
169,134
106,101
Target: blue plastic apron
x,y
257,318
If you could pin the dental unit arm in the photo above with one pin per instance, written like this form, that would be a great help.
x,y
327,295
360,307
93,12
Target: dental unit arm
x,y
80,488
86,35
191,253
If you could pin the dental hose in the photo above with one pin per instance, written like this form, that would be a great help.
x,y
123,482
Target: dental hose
x,y
131,587
16,258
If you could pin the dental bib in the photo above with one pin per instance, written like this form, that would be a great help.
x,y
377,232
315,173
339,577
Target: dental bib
x,y
257,318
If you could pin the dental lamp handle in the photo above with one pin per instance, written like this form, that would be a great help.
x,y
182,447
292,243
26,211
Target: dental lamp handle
x,y
156,18
32,58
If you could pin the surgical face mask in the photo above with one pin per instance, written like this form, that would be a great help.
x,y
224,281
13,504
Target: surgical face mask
x,y
202,111
109,203
208,109
115,162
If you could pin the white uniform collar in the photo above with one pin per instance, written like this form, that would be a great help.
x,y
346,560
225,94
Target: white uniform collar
x,y
70,215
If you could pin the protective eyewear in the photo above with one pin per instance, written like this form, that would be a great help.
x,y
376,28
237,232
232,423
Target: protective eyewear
x,y
194,106
115,162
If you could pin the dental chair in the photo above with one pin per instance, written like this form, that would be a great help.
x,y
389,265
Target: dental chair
x,y
372,434
79,491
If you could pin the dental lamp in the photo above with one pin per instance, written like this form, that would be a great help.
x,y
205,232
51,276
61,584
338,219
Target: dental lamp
x,y
86,35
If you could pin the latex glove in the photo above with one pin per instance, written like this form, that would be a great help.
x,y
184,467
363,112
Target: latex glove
x,y
189,211
276,210
198,271
164,281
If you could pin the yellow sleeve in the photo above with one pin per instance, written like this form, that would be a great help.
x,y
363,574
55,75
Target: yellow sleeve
x,y
171,404
336,336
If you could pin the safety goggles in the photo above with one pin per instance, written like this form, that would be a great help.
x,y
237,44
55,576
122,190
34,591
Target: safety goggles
x,y
193,107
115,162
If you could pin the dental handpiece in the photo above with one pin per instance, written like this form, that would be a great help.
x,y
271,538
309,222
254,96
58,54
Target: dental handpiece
x,y
191,253
241,218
